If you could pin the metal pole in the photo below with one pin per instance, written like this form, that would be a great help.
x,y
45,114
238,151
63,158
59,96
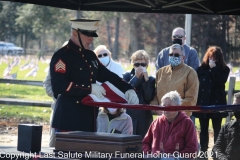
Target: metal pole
x,y
78,14
188,28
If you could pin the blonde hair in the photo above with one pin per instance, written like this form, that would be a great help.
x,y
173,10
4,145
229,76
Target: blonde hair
x,y
102,47
174,96
140,55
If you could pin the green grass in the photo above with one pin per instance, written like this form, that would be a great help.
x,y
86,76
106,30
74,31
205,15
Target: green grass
x,y
21,74
42,114
25,114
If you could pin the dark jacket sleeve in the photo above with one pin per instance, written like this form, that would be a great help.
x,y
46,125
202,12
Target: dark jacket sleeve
x,y
134,81
149,89
60,81
220,145
220,76
106,75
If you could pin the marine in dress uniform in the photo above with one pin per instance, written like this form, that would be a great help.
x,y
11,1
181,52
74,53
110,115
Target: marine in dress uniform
x,y
74,71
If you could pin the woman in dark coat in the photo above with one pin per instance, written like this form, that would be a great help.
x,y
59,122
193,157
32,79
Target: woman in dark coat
x,y
144,86
212,74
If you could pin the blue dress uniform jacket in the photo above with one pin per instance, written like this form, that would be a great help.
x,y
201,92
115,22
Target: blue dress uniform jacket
x,y
72,72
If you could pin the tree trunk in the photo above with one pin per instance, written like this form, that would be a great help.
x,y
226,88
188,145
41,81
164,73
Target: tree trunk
x,y
158,38
224,38
235,38
42,43
136,41
116,43
109,34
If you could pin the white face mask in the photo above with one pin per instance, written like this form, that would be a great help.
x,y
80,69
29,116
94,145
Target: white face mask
x,y
112,110
144,69
211,61
104,60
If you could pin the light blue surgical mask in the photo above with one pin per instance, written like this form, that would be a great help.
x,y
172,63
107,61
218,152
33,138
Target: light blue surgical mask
x,y
174,61
105,60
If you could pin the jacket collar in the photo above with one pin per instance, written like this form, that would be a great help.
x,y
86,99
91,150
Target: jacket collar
x,y
233,123
133,71
74,46
178,67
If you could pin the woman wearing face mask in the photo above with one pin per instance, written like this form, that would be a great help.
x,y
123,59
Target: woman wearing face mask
x,y
104,56
114,120
145,89
212,74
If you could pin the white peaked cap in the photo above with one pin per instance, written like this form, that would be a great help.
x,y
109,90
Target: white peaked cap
x,y
85,26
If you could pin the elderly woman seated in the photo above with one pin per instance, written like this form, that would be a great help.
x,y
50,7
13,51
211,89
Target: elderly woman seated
x,y
114,120
172,133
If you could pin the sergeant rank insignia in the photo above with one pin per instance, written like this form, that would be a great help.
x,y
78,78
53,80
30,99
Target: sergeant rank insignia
x,y
60,66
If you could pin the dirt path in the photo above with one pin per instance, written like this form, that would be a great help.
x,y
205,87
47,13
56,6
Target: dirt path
x,y
9,132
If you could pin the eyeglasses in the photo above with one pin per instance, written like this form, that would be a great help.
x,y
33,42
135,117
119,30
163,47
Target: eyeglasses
x,y
174,54
178,36
102,55
138,64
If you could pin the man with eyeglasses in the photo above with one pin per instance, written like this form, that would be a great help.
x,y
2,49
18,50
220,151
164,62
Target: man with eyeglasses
x,y
177,76
104,56
74,70
191,55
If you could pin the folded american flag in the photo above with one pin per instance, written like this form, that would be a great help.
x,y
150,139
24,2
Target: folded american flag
x,y
116,99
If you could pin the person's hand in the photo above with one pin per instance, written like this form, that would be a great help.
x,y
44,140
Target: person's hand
x,y
144,69
212,63
131,97
98,91
139,72
145,74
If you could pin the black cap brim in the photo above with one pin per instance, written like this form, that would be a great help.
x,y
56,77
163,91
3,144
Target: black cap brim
x,y
89,34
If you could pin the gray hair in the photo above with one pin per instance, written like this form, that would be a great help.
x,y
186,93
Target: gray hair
x,y
177,46
236,96
179,28
174,96
102,47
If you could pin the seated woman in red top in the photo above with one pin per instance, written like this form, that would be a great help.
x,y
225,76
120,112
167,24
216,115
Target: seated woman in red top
x,y
172,133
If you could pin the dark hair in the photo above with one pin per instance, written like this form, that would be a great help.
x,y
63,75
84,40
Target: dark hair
x,y
216,52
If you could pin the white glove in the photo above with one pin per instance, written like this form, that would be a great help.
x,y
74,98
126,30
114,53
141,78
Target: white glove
x,y
98,91
131,97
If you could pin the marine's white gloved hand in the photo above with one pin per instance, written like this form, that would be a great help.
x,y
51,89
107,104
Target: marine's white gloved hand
x,y
98,91
131,97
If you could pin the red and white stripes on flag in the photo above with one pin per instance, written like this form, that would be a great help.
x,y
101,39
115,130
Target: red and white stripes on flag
x,y
116,99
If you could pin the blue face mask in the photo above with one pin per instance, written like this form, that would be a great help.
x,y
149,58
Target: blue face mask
x,y
104,60
174,61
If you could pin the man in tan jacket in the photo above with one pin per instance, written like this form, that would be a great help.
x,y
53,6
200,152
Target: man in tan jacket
x,y
177,76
